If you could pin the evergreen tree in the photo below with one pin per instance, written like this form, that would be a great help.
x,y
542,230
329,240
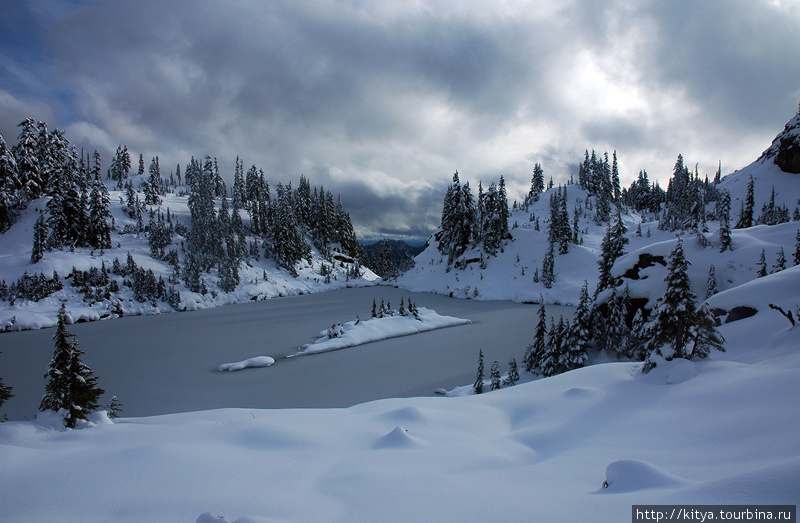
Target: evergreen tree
x,y
39,239
513,373
5,392
27,161
724,213
71,385
611,247
535,351
548,267
581,333
478,385
152,187
762,265
494,376
746,216
711,285
100,223
678,329
797,248
537,184
780,263
10,186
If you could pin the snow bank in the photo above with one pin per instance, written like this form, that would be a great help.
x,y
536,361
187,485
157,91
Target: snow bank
x,y
354,333
257,361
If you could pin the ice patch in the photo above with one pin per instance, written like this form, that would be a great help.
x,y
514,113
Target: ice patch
x,y
631,475
257,361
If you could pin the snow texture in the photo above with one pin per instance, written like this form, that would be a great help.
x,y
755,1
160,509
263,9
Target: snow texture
x,y
257,361
357,332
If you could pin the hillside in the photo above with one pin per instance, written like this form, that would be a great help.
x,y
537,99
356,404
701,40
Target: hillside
x,y
510,273
261,277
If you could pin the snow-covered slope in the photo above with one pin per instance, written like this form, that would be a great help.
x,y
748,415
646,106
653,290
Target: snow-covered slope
x,y
767,174
510,274
720,430
260,279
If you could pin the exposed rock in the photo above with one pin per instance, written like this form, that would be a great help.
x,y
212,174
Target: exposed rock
x,y
785,148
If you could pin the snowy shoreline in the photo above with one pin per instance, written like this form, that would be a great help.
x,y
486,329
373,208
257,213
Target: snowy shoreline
x,y
355,333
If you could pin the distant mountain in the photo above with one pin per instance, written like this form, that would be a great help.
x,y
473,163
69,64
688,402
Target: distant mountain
x,y
388,258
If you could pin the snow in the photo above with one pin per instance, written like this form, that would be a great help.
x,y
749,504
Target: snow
x,y
585,445
256,361
357,332
23,315
542,450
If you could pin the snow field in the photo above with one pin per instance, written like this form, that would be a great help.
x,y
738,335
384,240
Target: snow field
x,y
706,432
354,333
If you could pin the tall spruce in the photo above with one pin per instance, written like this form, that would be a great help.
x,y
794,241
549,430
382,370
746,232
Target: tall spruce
x,y
724,214
677,328
535,351
71,386
478,385
611,247
746,216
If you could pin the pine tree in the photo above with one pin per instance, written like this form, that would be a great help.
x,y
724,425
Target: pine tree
x,y
551,360
797,248
548,267
746,216
581,333
27,160
611,247
762,265
5,392
513,373
724,212
478,385
71,385
494,376
780,263
100,223
537,184
711,285
39,239
677,328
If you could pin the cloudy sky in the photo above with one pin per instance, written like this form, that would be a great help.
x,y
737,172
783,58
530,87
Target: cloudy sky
x,y
381,100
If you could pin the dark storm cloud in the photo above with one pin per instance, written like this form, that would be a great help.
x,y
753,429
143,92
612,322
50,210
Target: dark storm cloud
x,y
381,101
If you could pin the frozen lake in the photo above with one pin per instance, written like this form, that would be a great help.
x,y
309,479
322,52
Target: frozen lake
x,y
168,363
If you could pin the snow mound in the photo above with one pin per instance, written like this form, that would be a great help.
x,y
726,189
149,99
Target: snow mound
x,y
632,475
396,439
257,361
672,372
408,415
358,332
208,517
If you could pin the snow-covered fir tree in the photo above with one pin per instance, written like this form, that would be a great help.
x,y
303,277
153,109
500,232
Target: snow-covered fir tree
x,y
478,385
512,377
711,284
796,258
71,386
39,239
762,265
611,247
780,262
724,216
746,214
537,184
494,376
677,328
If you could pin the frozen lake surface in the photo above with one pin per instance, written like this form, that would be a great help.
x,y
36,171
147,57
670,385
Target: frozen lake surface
x,y
168,363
